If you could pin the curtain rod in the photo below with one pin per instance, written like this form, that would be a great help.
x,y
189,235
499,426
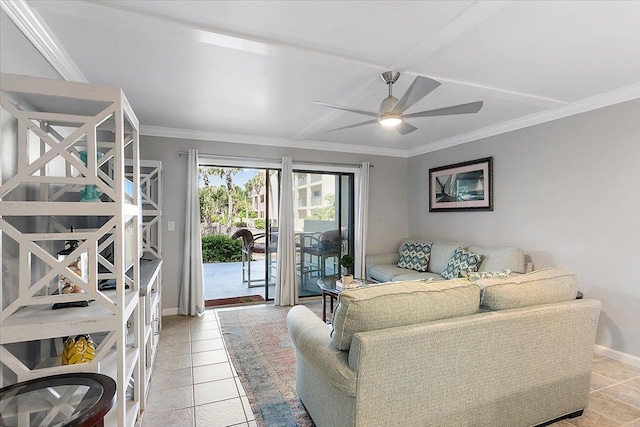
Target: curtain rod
x,y
263,159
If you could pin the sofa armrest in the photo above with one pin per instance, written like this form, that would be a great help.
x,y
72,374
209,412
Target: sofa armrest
x,y
312,339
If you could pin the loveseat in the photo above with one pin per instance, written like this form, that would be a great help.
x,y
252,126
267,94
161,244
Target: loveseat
x,y
495,352
384,267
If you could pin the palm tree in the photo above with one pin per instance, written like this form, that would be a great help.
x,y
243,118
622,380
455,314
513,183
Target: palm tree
x,y
205,173
227,173
255,185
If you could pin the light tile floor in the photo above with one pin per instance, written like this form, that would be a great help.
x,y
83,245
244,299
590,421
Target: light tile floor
x,y
195,384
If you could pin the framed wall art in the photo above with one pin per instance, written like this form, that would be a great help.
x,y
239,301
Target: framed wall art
x,y
466,186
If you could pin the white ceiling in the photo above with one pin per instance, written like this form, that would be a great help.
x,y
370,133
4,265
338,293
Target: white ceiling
x,y
247,71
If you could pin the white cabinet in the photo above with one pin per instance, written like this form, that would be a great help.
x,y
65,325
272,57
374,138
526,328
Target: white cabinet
x,y
64,146
150,265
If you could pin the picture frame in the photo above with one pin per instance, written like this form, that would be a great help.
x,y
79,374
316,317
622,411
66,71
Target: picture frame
x,y
466,186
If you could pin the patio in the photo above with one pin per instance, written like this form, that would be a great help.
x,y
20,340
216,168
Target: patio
x,y
224,280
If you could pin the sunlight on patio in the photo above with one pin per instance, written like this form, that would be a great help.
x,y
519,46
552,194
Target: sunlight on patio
x,y
224,280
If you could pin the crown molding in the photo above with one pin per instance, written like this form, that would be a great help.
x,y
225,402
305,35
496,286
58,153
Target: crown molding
x,y
617,96
166,132
37,32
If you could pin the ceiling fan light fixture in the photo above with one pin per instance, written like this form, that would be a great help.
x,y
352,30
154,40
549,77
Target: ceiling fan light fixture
x,y
390,120
392,110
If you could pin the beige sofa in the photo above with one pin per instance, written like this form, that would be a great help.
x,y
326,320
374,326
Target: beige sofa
x,y
384,267
444,353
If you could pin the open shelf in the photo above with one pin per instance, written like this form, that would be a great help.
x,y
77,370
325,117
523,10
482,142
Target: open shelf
x,y
68,144
41,322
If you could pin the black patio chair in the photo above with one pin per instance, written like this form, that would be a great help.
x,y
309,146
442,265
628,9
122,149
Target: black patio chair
x,y
251,246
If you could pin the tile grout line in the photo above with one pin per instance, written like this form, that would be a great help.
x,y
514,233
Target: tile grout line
x,y
599,413
615,398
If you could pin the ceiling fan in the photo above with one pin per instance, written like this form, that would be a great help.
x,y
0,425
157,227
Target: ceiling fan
x,y
392,110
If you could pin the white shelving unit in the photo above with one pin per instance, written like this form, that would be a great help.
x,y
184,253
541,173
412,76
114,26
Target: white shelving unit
x,y
60,140
150,265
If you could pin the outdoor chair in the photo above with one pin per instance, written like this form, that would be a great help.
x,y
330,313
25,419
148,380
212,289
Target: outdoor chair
x,y
318,249
249,247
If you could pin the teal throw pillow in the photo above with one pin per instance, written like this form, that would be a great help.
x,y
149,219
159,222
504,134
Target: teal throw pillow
x,y
462,260
415,256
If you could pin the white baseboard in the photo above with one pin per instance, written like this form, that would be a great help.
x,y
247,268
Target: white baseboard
x,y
617,355
173,311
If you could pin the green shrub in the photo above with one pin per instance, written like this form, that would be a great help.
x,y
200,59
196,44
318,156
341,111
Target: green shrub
x,y
240,224
259,223
221,248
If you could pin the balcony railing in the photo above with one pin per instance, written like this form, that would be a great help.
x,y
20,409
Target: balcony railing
x,y
302,203
316,201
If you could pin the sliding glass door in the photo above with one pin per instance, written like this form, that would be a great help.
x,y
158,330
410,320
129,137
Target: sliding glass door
x,y
239,225
324,225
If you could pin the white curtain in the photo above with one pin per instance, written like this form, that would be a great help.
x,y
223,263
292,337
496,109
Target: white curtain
x,y
362,214
285,293
191,297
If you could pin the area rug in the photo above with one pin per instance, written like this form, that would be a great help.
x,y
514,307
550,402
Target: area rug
x,y
235,300
264,357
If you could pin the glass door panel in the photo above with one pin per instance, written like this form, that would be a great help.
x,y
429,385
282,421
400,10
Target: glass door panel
x,y
238,211
271,224
323,221
347,216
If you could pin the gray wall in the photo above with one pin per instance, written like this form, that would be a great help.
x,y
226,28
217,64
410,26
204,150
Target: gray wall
x,y
17,54
567,193
387,204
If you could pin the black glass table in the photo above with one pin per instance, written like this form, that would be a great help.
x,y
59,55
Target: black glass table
x,y
74,400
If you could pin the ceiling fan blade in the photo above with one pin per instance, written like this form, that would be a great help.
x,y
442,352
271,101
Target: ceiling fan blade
x,y
421,87
472,107
368,122
405,128
353,110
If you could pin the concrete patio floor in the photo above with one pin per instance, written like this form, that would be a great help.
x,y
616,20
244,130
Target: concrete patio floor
x,y
224,280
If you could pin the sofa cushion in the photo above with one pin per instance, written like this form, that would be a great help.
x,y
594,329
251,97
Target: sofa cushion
x,y
441,253
546,286
386,272
496,259
390,273
415,256
400,303
462,260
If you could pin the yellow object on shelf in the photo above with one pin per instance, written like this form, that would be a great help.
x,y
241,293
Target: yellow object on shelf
x,y
80,349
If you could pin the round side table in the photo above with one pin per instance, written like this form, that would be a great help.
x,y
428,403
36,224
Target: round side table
x,y
75,400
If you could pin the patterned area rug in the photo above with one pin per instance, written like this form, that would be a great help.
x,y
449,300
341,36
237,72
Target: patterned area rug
x,y
233,300
265,360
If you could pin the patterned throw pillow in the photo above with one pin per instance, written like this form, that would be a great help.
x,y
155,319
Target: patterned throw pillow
x,y
462,260
472,276
415,256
